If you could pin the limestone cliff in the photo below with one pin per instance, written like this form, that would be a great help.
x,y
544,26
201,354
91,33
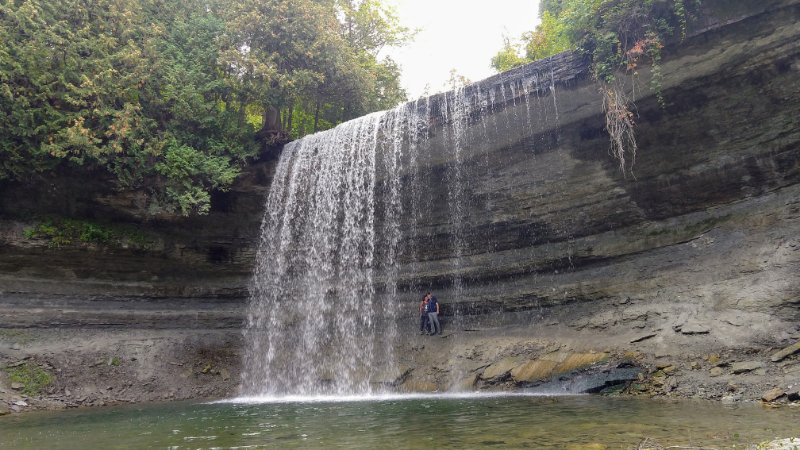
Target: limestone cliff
x,y
697,249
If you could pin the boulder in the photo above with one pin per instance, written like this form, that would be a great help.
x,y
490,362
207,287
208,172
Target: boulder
x,y
746,366
715,372
788,351
17,386
772,395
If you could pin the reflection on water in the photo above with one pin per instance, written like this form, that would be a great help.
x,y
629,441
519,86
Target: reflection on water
x,y
406,423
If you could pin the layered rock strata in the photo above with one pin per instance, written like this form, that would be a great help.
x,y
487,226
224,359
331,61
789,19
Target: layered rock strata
x,y
692,258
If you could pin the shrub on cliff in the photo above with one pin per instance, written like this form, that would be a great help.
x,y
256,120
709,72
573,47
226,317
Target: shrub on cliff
x,y
616,35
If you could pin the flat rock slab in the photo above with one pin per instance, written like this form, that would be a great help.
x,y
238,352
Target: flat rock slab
x,y
554,364
500,368
536,370
772,395
788,351
695,327
746,366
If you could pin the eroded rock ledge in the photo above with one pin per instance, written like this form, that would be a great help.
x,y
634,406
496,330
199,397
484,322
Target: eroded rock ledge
x,y
692,261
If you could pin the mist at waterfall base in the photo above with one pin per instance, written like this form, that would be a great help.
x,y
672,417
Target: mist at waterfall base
x,y
343,216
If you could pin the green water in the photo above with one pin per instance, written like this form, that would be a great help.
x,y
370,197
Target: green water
x,y
488,422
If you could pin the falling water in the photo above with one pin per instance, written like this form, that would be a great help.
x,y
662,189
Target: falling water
x,y
344,214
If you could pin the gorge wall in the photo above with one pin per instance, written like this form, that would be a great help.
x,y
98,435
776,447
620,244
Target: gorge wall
x,y
689,262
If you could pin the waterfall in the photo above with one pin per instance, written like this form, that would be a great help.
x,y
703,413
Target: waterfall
x,y
344,216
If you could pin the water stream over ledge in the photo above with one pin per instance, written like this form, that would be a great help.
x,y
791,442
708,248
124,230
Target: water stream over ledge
x,y
410,422
342,216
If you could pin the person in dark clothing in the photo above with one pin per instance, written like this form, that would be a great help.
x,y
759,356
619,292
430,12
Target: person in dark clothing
x,y
433,314
424,325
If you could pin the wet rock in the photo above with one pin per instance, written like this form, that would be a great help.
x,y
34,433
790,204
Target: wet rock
x,y
4,411
788,351
715,372
413,385
590,381
574,361
500,368
467,383
772,395
731,398
536,370
746,366
388,378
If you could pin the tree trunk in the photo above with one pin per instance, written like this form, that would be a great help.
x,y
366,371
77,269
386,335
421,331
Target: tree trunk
x,y
289,113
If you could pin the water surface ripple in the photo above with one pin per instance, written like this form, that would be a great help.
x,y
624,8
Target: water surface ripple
x,y
414,422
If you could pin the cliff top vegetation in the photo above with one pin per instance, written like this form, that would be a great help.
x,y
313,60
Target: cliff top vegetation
x,y
616,36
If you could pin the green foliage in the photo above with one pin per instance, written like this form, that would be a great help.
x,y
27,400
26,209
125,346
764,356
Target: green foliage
x,y
171,98
508,58
616,35
64,232
32,377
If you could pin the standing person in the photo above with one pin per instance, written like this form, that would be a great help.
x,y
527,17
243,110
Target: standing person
x,y
423,316
433,314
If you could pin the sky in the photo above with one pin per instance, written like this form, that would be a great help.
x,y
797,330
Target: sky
x,y
456,34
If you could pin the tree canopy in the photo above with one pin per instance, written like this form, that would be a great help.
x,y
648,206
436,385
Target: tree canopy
x,y
171,97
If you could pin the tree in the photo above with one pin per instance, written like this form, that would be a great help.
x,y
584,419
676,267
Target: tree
x,y
172,98
508,57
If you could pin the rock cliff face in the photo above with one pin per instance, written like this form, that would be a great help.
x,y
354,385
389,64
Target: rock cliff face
x,y
695,252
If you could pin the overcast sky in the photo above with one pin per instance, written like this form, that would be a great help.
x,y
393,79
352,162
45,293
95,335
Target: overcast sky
x,y
456,34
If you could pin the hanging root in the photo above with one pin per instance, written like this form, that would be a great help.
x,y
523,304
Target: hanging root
x,y
620,124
